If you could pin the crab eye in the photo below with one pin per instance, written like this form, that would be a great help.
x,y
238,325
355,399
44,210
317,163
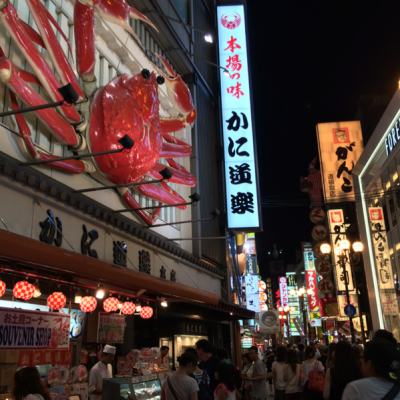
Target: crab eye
x,y
160,79
146,74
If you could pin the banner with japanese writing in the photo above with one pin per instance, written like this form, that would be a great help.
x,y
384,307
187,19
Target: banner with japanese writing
x,y
111,328
26,329
337,228
340,146
239,142
381,248
313,303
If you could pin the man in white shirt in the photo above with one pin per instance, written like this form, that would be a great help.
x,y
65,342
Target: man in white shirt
x,y
381,367
100,371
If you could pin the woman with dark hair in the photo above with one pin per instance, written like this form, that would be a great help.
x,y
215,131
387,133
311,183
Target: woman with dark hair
x,y
345,370
29,386
277,372
180,385
226,387
331,355
310,364
291,376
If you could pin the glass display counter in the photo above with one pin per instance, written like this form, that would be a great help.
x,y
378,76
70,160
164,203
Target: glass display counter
x,y
147,387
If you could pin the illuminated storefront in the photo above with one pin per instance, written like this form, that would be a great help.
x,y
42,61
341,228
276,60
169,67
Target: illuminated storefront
x,y
376,184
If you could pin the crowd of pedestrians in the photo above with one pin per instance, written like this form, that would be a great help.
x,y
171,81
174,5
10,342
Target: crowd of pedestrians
x,y
339,371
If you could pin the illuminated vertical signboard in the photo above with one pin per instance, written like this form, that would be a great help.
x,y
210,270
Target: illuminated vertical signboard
x,y
241,173
283,291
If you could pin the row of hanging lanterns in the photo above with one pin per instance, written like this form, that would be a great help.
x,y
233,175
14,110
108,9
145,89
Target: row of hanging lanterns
x,y
56,301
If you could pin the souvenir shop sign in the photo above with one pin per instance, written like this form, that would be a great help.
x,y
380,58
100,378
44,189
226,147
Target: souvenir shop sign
x,y
340,147
239,138
26,329
381,248
337,228
111,328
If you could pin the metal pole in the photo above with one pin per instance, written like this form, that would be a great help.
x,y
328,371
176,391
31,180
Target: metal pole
x,y
362,329
353,338
35,108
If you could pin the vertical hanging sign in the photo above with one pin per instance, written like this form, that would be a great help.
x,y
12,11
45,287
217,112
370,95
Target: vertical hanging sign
x,y
283,291
338,232
239,142
381,248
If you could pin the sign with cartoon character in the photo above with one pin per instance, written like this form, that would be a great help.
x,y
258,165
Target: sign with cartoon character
x,y
340,146
381,248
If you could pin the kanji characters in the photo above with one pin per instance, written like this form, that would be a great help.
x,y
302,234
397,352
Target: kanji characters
x,y
234,63
49,227
86,244
242,203
120,250
240,174
232,45
235,90
234,122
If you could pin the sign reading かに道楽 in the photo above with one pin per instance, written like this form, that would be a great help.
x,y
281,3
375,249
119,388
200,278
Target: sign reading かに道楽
x,y
239,150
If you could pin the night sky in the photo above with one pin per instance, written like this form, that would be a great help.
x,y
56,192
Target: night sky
x,y
310,63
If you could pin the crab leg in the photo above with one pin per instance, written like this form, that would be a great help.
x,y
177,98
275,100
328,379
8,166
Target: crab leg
x,y
132,203
10,20
179,147
62,65
164,194
181,176
60,128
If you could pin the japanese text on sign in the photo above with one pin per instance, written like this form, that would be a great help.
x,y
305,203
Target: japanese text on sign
x,y
240,163
25,329
340,146
313,303
283,292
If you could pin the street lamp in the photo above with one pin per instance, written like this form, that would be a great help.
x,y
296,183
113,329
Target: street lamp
x,y
342,251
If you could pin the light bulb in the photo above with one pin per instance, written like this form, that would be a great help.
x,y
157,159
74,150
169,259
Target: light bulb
x,y
344,244
292,292
78,297
325,248
165,304
138,307
358,247
226,73
100,292
208,38
37,292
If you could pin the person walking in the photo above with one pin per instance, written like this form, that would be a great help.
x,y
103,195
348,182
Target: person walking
x,y
257,380
310,364
323,349
225,389
345,370
291,376
247,371
179,385
380,367
29,386
208,362
202,378
300,353
270,358
223,355
277,370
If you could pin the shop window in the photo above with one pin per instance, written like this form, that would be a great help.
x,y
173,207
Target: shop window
x,y
182,7
386,185
392,209
394,175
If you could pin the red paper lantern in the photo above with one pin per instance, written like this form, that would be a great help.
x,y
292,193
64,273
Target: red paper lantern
x,y
2,288
146,312
56,301
24,290
128,308
88,304
110,304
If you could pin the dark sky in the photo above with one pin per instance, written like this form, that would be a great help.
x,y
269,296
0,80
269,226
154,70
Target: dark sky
x,y
310,63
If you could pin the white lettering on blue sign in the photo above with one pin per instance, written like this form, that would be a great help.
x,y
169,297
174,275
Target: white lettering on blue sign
x,y
392,138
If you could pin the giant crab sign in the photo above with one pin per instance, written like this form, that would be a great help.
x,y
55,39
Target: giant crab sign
x,y
125,106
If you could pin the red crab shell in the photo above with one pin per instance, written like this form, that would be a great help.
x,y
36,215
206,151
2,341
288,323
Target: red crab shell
x,y
126,106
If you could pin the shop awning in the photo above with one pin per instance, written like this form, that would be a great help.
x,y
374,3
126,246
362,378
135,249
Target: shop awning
x,y
25,251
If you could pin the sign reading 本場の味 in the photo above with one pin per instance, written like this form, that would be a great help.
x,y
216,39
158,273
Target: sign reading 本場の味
x,y
239,150
340,146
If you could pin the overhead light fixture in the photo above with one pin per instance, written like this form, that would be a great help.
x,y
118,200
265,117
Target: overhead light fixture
x,y
231,313
226,73
138,307
100,292
120,302
163,302
37,292
78,297
208,38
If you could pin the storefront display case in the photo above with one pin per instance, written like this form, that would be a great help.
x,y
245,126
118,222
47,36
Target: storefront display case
x,y
133,388
182,342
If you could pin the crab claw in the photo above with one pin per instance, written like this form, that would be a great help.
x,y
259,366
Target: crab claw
x,y
118,12
178,93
